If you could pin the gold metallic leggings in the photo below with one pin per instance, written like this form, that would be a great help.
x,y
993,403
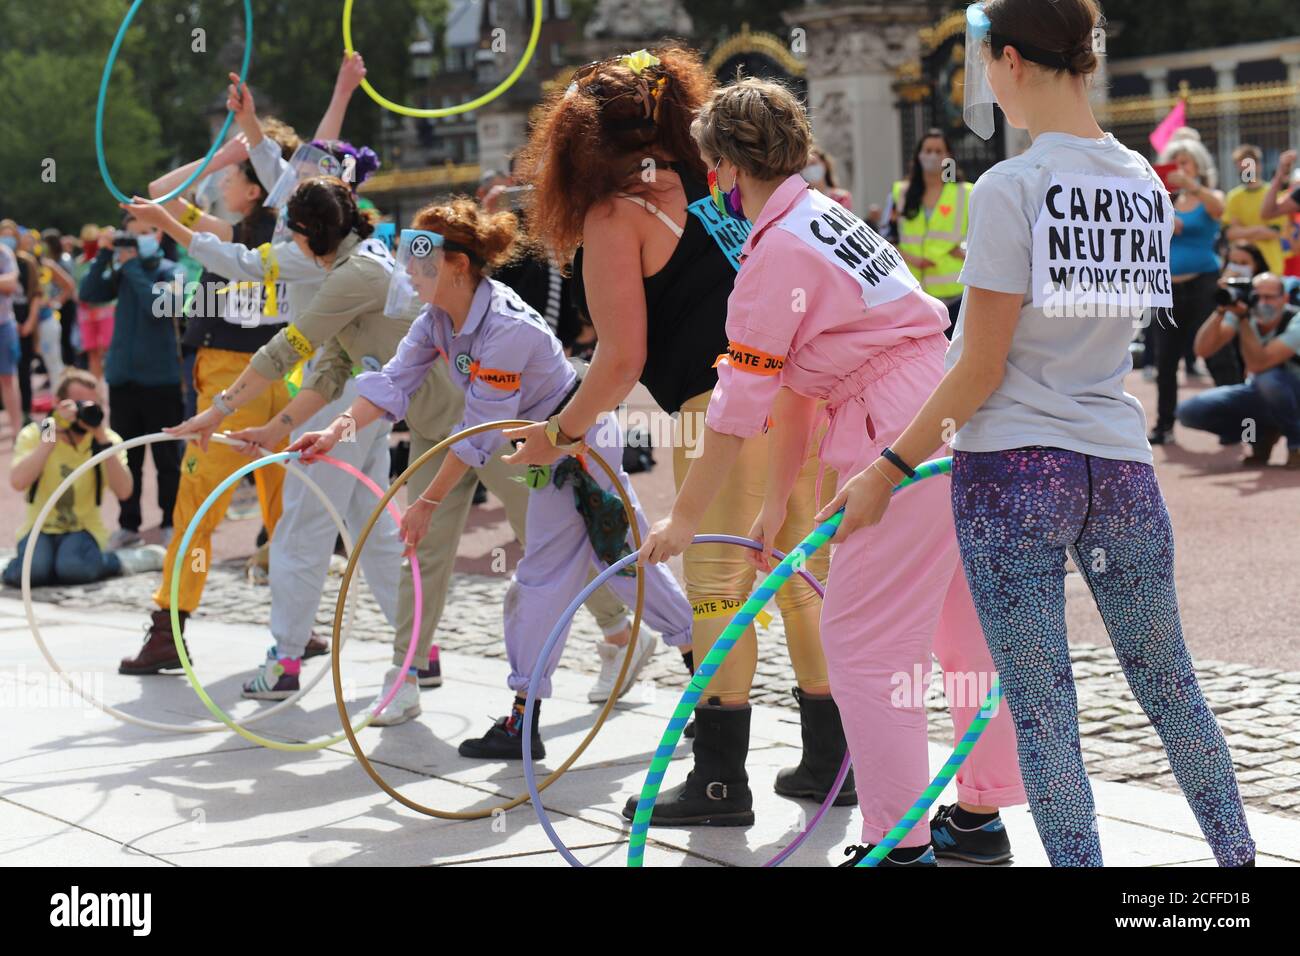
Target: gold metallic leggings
x,y
716,572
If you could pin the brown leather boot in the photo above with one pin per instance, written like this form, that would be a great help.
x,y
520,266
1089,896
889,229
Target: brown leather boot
x,y
159,650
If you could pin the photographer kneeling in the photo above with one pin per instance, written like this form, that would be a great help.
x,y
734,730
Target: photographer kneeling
x,y
1270,340
69,549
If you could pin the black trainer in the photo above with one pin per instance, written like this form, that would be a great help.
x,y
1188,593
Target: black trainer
x,y
985,844
504,741
858,852
823,754
716,793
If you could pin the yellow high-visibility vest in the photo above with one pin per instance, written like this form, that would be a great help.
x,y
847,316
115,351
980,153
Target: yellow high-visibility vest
x,y
936,238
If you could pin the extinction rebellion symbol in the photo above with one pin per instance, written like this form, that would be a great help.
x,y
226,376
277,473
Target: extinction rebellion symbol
x,y
464,363
421,246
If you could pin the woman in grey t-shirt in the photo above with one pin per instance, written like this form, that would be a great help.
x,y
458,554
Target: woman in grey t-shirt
x,y
1069,244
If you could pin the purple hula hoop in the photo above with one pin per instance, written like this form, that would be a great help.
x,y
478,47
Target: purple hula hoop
x,y
530,774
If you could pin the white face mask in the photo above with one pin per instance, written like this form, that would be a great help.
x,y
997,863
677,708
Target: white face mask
x,y
931,162
814,173
1267,312
1239,269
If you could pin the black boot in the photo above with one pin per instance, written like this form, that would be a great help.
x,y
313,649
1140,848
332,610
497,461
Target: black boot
x,y
689,660
504,741
823,754
716,793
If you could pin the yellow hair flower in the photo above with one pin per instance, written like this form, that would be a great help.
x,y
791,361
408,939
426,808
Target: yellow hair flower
x,y
640,60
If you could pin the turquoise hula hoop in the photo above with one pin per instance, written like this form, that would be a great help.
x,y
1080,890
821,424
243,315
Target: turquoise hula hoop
x,y
903,827
705,670
103,96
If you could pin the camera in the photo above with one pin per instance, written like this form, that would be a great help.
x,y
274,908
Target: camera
x,y
1235,292
126,242
89,416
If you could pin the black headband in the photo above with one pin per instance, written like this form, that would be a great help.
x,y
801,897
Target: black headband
x,y
1058,61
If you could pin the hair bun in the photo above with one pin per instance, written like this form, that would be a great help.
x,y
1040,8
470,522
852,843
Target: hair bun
x,y
1083,59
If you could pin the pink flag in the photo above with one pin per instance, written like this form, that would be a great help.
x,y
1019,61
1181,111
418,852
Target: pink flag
x,y
1176,119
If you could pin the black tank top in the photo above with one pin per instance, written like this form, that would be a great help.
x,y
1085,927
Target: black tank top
x,y
686,308
212,331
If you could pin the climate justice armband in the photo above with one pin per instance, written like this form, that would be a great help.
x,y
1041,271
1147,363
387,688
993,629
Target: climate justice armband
x,y
301,344
191,215
495,377
746,359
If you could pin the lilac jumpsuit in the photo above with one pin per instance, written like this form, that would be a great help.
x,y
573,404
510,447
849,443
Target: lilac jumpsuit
x,y
511,366
826,308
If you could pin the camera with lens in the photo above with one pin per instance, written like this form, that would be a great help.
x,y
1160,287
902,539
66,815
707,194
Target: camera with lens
x,y
126,242
1235,292
89,417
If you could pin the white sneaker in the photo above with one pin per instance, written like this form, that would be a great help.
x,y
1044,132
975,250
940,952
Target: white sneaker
x,y
122,538
405,705
141,560
611,662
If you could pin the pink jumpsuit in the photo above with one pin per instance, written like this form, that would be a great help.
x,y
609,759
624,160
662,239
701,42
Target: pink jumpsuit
x,y
826,308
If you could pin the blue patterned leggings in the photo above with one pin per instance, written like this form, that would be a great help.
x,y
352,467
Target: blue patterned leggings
x,y
1017,512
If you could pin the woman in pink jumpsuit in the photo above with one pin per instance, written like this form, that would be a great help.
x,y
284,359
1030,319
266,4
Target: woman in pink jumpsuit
x,y
825,310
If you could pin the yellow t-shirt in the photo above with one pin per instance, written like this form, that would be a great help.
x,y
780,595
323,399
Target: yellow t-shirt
x,y
76,510
1243,205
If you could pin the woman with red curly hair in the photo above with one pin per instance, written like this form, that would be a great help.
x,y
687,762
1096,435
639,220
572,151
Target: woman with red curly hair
x,y
501,353
620,188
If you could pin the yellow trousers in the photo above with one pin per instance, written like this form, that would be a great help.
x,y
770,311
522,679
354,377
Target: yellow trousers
x,y
215,370
718,572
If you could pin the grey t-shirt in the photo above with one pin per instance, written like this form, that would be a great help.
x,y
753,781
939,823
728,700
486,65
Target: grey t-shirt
x,y
1064,381
8,263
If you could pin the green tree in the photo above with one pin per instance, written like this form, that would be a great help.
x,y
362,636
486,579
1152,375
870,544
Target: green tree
x,y
48,171
167,93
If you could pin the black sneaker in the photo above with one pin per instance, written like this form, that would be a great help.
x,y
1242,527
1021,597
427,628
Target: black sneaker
x,y
858,853
503,741
986,844
430,676
1161,436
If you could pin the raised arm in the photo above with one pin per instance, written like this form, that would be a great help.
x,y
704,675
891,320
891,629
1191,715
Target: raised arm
x,y
351,73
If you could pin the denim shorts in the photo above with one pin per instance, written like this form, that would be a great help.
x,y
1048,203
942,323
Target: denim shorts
x,y
10,350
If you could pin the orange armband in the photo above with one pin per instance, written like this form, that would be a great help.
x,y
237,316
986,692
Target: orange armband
x,y
495,377
745,359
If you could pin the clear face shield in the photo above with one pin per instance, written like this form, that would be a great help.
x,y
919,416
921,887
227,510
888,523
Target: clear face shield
x,y
307,161
977,110
420,255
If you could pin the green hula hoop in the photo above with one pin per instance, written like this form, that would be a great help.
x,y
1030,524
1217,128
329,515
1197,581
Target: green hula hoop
x,y
279,458
103,96
474,104
706,668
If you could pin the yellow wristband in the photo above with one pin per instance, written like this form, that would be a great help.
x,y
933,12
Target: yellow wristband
x,y
191,215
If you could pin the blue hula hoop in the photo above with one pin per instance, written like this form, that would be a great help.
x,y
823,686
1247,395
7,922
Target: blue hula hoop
x,y
530,773
103,96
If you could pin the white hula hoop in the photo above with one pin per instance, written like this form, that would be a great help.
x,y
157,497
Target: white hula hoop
x,y
90,698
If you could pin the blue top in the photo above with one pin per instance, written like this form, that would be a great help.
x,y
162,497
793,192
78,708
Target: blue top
x,y
1192,250
144,349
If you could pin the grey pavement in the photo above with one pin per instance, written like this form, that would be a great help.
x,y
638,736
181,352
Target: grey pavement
x,y
77,786
1257,707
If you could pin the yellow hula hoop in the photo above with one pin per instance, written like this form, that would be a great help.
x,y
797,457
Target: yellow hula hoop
x,y
474,104
355,552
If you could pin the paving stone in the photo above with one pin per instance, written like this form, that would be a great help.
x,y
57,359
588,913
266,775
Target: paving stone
x,y
1258,708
